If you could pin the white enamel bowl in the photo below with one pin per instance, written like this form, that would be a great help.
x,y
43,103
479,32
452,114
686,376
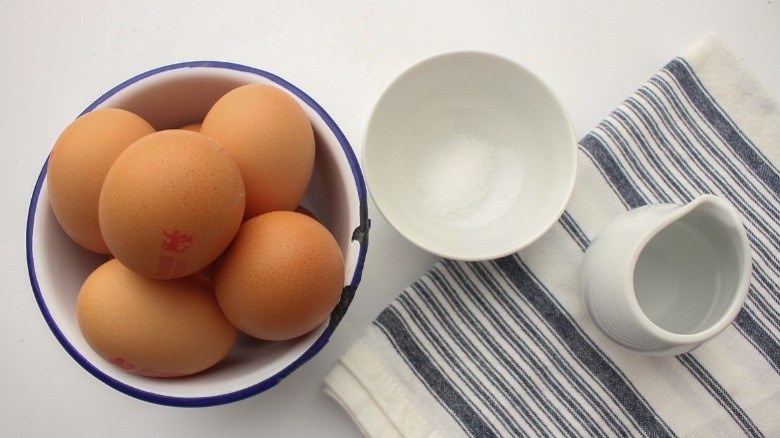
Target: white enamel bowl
x,y
172,96
470,156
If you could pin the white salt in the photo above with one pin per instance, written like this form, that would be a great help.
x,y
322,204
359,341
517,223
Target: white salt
x,y
462,169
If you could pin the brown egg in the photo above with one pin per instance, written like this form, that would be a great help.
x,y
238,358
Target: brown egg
x,y
78,164
281,277
171,203
271,138
150,327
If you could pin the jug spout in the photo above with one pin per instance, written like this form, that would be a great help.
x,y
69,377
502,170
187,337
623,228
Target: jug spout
x,y
709,212
720,224
663,278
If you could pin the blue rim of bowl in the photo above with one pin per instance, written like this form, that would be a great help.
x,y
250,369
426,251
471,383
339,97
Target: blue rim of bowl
x,y
360,235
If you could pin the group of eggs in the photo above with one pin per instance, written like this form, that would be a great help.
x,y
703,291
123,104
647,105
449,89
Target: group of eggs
x,y
203,227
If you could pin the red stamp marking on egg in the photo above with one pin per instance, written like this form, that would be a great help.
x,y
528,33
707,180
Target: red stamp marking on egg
x,y
170,267
179,267
176,241
121,363
153,373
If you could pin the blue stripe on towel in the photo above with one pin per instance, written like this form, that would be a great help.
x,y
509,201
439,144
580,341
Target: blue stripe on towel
x,y
564,378
651,148
503,312
609,168
514,382
669,95
735,139
759,337
590,356
716,390
430,375
520,361
706,153
573,228
450,342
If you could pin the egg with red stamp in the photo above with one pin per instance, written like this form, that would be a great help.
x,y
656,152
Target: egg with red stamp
x,y
171,203
152,327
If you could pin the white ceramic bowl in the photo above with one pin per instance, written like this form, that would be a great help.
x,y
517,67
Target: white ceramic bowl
x,y
168,97
470,156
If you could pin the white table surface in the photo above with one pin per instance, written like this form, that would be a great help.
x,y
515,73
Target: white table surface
x,y
57,57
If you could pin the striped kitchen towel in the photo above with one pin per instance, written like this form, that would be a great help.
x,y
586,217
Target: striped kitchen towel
x,y
506,347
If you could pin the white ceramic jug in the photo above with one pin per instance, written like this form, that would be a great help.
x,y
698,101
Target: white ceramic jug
x,y
661,279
